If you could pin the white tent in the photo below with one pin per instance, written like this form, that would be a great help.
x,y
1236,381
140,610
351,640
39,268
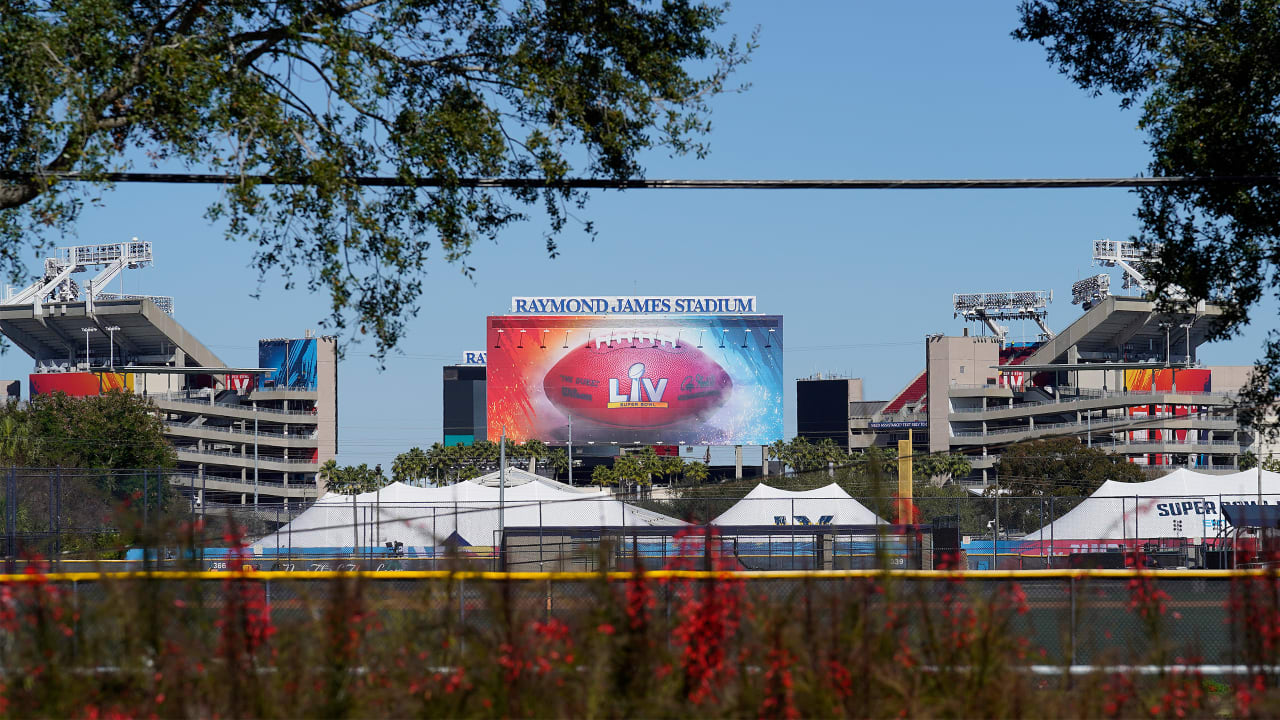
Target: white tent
x,y
829,505
427,517
1183,503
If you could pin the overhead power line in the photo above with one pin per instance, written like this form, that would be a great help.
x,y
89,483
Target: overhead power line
x,y
524,183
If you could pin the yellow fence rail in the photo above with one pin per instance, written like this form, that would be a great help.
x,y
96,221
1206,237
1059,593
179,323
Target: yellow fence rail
x,y
310,575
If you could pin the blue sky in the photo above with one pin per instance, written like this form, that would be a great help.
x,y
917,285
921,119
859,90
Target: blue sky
x,y
839,90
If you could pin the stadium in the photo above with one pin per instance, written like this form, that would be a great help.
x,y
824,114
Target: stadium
x,y
699,380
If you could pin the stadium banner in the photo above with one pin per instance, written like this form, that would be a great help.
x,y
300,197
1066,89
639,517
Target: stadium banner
x,y
1192,380
714,380
293,362
80,384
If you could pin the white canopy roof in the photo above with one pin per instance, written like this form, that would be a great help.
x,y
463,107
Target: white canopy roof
x,y
426,517
1183,503
829,505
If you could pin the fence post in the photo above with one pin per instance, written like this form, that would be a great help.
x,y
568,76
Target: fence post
x,y
57,480
11,519
75,618
52,533
1052,547
1042,534
1071,592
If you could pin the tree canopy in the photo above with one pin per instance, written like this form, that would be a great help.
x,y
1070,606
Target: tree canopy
x,y
352,479
1060,466
314,96
112,431
1206,75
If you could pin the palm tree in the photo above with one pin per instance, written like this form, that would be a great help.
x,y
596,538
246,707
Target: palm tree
x,y
828,453
558,459
671,466
533,449
647,464
604,476
780,450
696,472
628,470
15,440
328,473
411,467
437,465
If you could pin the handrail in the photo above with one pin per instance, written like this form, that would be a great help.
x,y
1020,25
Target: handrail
x,y
252,575
219,453
1087,394
178,397
260,433
187,478
1096,424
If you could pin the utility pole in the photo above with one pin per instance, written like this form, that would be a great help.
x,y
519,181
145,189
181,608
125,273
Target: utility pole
x,y
502,486
995,539
255,463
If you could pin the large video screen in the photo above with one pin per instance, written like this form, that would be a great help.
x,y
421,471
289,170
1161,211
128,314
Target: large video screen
x,y
80,384
293,362
648,379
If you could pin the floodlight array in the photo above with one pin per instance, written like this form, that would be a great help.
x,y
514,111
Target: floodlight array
x,y
1128,256
1110,252
994,303
163,302
1090,290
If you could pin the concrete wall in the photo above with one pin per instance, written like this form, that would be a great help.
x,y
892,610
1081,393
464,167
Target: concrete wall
x,y
965,360
154,383
1230,378
326,402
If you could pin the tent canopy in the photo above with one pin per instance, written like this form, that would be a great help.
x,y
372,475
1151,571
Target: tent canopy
x,y
829,505
426,517
1184,504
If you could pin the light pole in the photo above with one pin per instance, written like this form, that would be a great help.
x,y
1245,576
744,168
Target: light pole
x,y
111,352
1187,326
86,331
570,451
502,492
255,463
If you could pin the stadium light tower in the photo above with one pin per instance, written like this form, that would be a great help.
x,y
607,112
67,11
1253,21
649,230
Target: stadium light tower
x,y
1091,290
57,285
991,307
1129,257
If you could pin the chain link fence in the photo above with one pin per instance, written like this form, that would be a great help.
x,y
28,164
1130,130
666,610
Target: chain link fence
x,y
78,515
1068,620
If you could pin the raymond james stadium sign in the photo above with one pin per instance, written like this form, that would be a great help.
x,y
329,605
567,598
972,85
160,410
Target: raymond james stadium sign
x,y
611,304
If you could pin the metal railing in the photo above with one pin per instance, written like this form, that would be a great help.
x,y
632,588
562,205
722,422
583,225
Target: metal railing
x,y
1096,424
1087,394
249,457
249,433
193,480
183,397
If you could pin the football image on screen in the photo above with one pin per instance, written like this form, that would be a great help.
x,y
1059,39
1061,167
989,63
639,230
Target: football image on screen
x,y
659,379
